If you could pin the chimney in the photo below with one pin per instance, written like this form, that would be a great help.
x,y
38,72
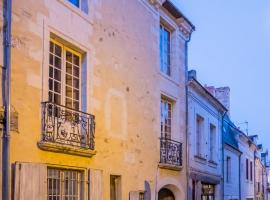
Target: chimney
x,y
192,74
223,95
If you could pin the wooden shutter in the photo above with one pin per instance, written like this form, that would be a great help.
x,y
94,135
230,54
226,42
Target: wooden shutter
x,y
95,184
30,181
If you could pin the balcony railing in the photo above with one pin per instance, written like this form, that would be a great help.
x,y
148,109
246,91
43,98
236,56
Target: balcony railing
x,y
67,127
170,152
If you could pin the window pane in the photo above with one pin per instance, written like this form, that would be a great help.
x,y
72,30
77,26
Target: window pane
x,y
51,59
69,56
57,87
76,83
57,62
75,2
76,59
76,94
69,92
76,71
58,50
57,74
69,68
69,80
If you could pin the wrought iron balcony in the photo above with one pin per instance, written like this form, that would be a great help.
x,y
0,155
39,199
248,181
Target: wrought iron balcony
x,y
170,154
68,130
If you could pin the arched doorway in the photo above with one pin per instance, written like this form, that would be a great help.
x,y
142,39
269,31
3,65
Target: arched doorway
x,y
165,194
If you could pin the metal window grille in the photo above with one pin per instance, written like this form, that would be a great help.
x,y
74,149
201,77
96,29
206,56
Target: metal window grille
x,y
65,184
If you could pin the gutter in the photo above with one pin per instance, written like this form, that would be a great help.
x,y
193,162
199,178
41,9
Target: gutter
x,y
7,11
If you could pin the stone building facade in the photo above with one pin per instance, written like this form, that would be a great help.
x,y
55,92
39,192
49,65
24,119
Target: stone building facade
x,y
100,91
205,114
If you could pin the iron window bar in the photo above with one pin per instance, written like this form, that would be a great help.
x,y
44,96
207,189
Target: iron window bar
x,y
170,152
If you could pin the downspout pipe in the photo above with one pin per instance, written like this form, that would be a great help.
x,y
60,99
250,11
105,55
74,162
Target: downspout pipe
x,y
186,93
7,10
239,174
222,152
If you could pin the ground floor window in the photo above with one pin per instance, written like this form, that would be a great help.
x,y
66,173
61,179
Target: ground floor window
x,y
64,184
208,191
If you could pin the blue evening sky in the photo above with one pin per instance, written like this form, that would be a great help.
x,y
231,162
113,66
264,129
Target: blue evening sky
x,y
231,47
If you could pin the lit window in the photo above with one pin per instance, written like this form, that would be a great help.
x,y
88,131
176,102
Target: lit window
x,y
64,76
166,118
212,142
64,184
165,50
199,134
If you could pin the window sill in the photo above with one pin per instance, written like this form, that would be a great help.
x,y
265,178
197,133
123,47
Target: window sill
x,y
59,148
212,163
169,78
76,10
170,167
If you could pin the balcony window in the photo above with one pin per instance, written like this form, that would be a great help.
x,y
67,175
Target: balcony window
x,y
166,117
64,125
64,76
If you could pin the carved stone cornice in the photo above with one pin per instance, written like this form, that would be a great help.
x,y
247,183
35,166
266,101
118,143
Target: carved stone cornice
x,y
185,27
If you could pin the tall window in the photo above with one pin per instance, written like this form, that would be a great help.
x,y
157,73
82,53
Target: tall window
x,y
212,142
64,76
166,118
247,169
64,184
115,187
165,50
199,134
228,169
251,172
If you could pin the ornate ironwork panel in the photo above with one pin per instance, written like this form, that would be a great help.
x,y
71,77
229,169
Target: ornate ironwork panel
x,y
66,126
170,152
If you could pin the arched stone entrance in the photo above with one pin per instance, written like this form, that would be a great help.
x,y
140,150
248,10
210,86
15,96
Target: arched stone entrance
x,y
165,194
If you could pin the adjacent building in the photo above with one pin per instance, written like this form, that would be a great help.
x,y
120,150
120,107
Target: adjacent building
x,y
98,94
231,161
205,114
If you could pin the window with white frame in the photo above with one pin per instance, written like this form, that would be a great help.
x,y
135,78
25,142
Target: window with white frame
x,y
81,4
165,50
228,169
199,134
212,142
166,117
64,75
65,184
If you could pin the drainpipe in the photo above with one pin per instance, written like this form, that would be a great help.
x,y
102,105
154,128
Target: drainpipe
x,y
7,9
186,88
240,175
222,156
